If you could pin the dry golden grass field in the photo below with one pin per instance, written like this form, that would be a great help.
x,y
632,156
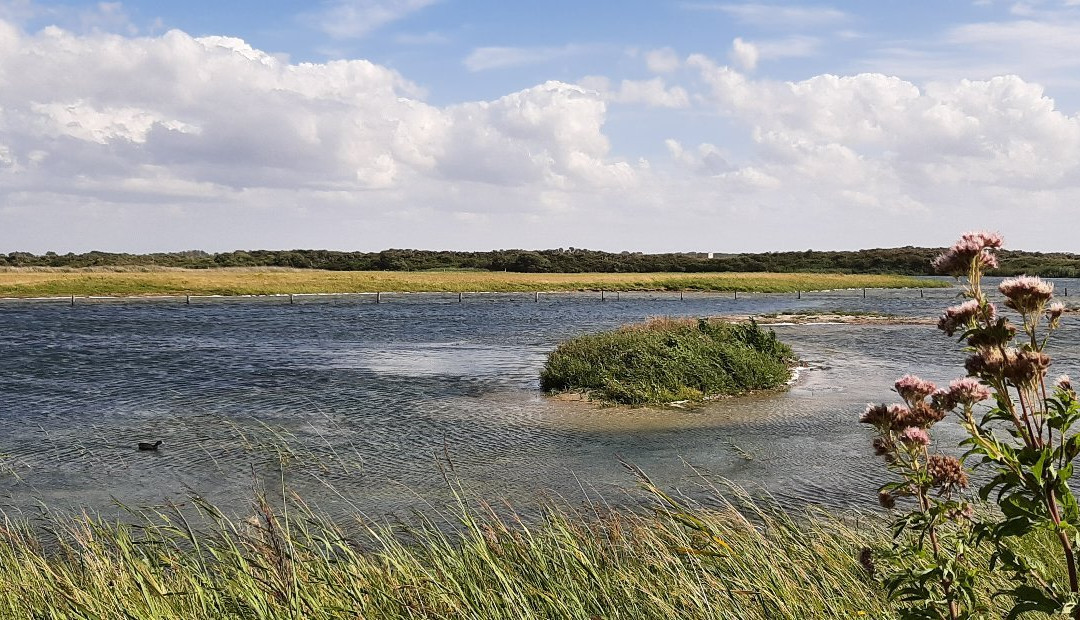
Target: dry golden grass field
x,y
47,283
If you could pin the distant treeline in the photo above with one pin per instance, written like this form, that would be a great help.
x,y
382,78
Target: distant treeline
x,y
906,261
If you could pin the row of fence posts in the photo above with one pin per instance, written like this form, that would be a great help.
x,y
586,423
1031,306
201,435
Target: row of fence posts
x,y
536,296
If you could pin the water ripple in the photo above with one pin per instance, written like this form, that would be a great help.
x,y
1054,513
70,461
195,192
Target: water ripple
x,y
363,406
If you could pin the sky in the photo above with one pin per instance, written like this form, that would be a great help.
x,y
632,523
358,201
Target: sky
x,y
618,125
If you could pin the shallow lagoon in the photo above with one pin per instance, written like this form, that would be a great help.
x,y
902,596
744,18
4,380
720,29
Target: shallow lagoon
x,y
363,406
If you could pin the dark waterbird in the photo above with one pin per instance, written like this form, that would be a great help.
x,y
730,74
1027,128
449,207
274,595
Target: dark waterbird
x,y
145,445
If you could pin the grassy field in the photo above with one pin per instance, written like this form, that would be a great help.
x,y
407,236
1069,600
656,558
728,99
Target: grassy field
x,y
666,360
46,283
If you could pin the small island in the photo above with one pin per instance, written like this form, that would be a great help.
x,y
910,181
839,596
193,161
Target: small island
x,y
669,360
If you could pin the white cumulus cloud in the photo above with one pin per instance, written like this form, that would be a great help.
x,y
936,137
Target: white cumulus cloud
x,y
111,120
652,93
174,141
744,54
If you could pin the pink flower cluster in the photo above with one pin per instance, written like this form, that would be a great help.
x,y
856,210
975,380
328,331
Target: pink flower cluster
x,y
973,246
1054,312
1064,382
896,418
967,391
914,436
913,389
960,317
1026,294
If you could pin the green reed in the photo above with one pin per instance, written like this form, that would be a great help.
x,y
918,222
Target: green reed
x,y
667,360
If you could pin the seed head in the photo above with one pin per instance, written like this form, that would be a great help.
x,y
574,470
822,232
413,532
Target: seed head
x,y
1064,385
886,499
923,415
995,335
875,415
1064,382
1026,367
1054,312
946,472
960,317
967,391
1026,294
882,446
942,400
866,559
987,363
964,512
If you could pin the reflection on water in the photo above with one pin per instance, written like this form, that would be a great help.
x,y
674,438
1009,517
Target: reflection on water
x,y
355,404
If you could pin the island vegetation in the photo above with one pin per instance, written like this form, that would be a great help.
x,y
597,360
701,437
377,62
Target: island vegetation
x,y
906,261
667,360
37,282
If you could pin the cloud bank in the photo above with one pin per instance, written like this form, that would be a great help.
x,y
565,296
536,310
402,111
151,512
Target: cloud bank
x,y
173,142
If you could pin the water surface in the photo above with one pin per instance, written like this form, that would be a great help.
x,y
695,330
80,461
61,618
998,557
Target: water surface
x,y
364,406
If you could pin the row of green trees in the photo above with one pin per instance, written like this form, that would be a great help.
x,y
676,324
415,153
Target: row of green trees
x,y
906,260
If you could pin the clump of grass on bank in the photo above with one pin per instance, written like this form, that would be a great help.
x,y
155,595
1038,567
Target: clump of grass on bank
x,y
43,283
667,360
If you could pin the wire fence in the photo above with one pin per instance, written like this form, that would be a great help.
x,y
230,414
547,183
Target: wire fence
x,y
487,296
602,295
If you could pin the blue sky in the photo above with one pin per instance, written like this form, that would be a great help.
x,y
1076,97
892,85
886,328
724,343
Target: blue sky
x,y
656,126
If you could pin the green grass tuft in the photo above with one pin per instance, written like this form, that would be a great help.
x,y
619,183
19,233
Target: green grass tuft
x,y
668,360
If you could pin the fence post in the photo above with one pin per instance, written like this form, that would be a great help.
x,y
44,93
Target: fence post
x,y
378,297
618,296
736,293
72,301
536,297
680,295
459,297
799,295
601,294
187,299
864,293
921,294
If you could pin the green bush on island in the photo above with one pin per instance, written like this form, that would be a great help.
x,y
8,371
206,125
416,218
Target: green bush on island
x,y
667,360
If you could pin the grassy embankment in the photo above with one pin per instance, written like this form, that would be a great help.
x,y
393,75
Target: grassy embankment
x,y
667,360
39,283
667,564
744,561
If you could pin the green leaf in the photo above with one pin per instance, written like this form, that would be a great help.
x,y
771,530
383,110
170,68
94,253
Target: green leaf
x,y
1029,598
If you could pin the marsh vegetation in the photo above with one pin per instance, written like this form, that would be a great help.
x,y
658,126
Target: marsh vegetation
x,y
139,281
667,360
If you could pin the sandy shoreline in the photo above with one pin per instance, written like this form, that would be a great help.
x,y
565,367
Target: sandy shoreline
x,y
829,319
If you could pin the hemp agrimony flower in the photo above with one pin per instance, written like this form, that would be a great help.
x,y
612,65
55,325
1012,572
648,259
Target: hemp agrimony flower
x,y
1026,433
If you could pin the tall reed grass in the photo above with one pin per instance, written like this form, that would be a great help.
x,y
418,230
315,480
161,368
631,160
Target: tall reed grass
x,y
740,559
